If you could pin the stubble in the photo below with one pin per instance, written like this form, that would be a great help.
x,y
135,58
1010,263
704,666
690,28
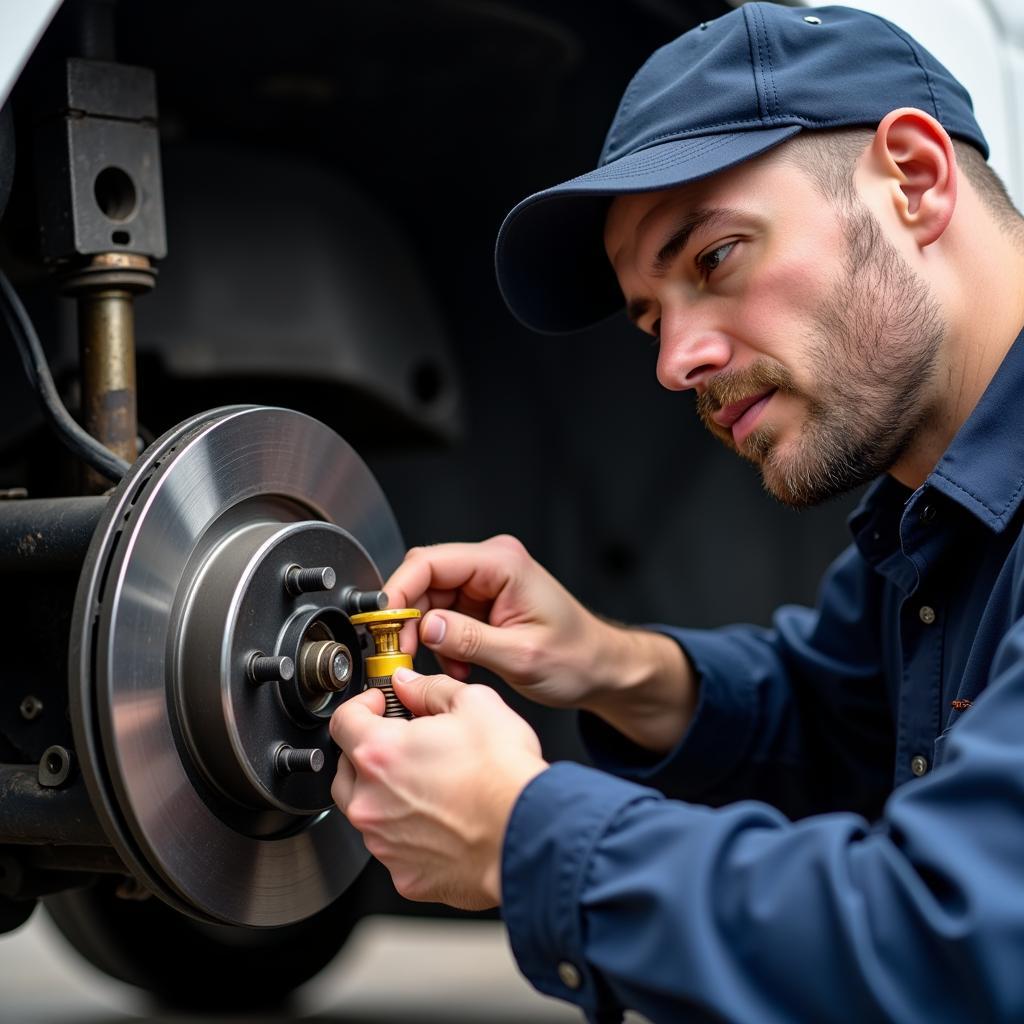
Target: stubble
x,y
872,353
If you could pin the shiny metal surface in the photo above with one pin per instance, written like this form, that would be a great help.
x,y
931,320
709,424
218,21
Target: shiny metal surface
x,y
159,516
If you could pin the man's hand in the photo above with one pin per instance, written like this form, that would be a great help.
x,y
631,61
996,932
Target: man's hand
x,y
433,796
492,605
503,611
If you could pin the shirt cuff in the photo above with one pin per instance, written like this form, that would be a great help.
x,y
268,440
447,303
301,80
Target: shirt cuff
x,y
724,725
555,824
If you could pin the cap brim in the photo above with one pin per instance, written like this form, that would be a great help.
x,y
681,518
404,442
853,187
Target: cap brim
x,y
550,258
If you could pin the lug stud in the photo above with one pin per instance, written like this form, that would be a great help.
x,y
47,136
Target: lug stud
x,y
267,669
295,759
305,581
355,601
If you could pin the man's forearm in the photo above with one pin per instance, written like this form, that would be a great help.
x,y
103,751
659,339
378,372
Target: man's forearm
x,y
648,688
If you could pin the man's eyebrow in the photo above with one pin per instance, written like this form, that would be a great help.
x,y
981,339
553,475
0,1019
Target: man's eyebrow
x,y
677,242
693,221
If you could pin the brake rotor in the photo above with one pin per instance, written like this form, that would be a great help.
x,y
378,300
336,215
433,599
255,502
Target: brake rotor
x,y
211,776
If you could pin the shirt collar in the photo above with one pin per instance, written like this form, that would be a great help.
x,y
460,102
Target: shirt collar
x,y
983,468
874,522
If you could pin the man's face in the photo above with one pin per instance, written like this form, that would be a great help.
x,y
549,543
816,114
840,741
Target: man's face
x,y
809,340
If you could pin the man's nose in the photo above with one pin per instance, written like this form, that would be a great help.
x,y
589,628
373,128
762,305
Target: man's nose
x,y
689,354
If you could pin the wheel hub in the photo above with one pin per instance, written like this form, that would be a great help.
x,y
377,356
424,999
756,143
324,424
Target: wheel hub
x,y
239,608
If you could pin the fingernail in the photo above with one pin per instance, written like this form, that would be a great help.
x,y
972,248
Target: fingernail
x,y
433,629
404,675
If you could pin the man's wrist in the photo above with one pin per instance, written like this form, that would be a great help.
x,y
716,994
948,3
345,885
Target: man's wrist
x,y
644,686
514,782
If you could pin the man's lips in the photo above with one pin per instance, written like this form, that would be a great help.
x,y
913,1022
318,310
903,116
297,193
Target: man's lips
x,y
739,417
729,414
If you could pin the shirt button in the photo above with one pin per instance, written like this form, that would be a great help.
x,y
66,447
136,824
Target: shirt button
x,y
927,513
570,975
919,765
927,614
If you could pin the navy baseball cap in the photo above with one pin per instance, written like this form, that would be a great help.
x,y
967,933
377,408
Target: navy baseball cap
x,y
721,94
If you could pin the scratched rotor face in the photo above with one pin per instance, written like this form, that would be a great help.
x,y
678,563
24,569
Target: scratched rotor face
x,y
187,758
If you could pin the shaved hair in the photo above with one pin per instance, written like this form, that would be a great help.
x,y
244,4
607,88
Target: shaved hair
x,y
829,158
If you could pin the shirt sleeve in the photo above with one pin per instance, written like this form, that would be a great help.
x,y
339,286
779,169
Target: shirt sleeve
x,y
738,913
797,715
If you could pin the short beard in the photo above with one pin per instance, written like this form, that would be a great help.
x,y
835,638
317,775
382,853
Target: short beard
x,y
873,350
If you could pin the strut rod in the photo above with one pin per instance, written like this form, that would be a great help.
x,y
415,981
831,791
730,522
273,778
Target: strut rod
x,y
106,328
106,290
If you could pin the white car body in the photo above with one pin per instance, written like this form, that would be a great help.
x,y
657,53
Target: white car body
x,y
22,24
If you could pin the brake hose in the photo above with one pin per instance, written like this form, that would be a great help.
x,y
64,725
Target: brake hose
x,y
71,434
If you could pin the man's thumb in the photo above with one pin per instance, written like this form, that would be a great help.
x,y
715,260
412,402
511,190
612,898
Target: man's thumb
x,y
426,695
463,638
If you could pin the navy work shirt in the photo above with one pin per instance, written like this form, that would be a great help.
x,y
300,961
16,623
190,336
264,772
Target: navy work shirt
x,y
849,842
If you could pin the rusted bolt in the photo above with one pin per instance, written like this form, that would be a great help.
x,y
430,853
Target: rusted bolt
x,y
54,767
31,707
325,666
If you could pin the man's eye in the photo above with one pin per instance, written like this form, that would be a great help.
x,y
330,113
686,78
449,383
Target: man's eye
x,y
708,262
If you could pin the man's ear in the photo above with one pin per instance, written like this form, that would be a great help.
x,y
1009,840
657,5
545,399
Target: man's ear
x,y
914,152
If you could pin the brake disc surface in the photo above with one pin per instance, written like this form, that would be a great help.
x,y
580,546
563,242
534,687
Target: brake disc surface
x,y
181,588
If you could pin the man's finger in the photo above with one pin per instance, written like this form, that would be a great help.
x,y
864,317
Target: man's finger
x,y
343,784
463,638
350,722
426,695
480,570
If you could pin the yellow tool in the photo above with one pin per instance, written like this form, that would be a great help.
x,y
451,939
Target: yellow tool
x,y
384,627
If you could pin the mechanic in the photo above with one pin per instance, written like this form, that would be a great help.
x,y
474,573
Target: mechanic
x,y
796,203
